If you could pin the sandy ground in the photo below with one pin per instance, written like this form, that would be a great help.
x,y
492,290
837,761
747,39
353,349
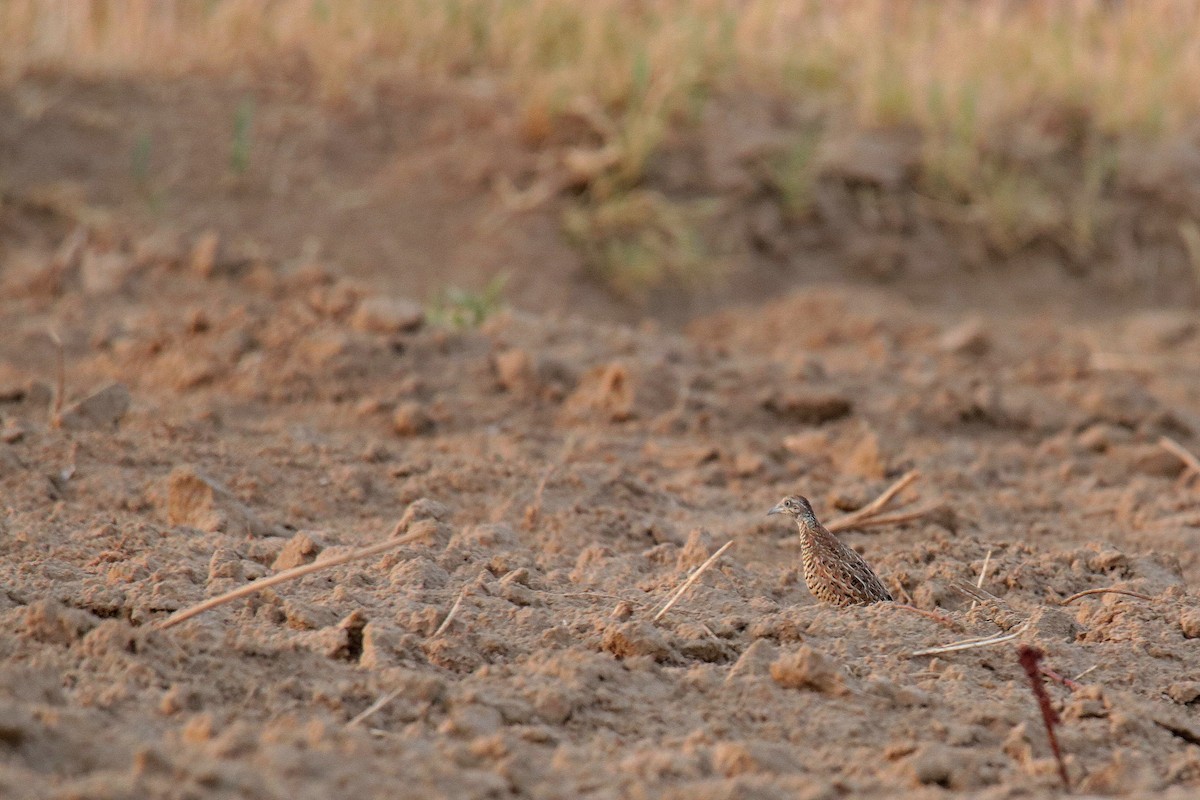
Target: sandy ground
x,y
565,476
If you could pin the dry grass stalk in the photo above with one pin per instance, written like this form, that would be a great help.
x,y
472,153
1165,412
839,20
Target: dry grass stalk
x,y
1126,592
871,514
898,517
534,510
1182,453
969,644
872,508
287,575
1071,684
692,579
987,560
451,614
374,707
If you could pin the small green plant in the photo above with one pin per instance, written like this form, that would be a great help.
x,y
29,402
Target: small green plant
x,y
139,159
139,168
792,172
638,241
463,309
243,130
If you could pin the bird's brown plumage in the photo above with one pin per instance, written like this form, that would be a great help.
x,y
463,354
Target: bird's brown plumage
x,y
835,574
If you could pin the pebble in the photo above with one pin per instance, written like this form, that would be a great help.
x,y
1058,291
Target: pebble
x,y
410,419
381,314
808,408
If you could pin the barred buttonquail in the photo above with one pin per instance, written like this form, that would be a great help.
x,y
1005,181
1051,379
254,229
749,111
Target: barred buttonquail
x,y
834,573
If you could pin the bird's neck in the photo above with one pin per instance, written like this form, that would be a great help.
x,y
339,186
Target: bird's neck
x,y
811,531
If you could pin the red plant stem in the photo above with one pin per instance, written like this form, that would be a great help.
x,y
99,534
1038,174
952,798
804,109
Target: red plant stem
x,y
1073,685
1030,658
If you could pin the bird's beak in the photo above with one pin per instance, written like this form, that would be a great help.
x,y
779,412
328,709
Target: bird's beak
x,y
776,510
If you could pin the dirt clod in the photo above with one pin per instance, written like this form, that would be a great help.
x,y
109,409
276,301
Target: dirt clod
x,y
805,668
605,393
969,338
198,501
387,315
516,372
636,638
300,549
411,419
808,408
265,379
1189,622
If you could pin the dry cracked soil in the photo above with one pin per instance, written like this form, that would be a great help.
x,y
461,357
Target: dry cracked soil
x,y
227,417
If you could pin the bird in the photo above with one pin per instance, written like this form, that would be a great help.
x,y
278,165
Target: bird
x,y
835,574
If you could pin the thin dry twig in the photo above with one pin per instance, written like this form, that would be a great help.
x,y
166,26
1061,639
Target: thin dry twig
x,y
968,644
895,518
1031,661
541,487
1090,669
854,518
376,706
287,575
678,593
1182,453
534,509
987,560
1126,592
1071,684
450,614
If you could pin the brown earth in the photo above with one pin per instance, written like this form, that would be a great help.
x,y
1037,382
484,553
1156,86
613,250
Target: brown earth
x,y
568,473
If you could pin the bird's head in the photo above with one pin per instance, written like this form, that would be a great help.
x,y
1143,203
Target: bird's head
x,y
796,507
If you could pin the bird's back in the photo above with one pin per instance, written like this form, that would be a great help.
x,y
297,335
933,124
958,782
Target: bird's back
x,y
835,573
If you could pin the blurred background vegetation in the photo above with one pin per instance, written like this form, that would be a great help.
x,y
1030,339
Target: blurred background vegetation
x,y
989,129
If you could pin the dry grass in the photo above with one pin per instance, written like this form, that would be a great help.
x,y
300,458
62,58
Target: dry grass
x,y
986,83
871,515
1089,592
395,540
954,68
687,584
